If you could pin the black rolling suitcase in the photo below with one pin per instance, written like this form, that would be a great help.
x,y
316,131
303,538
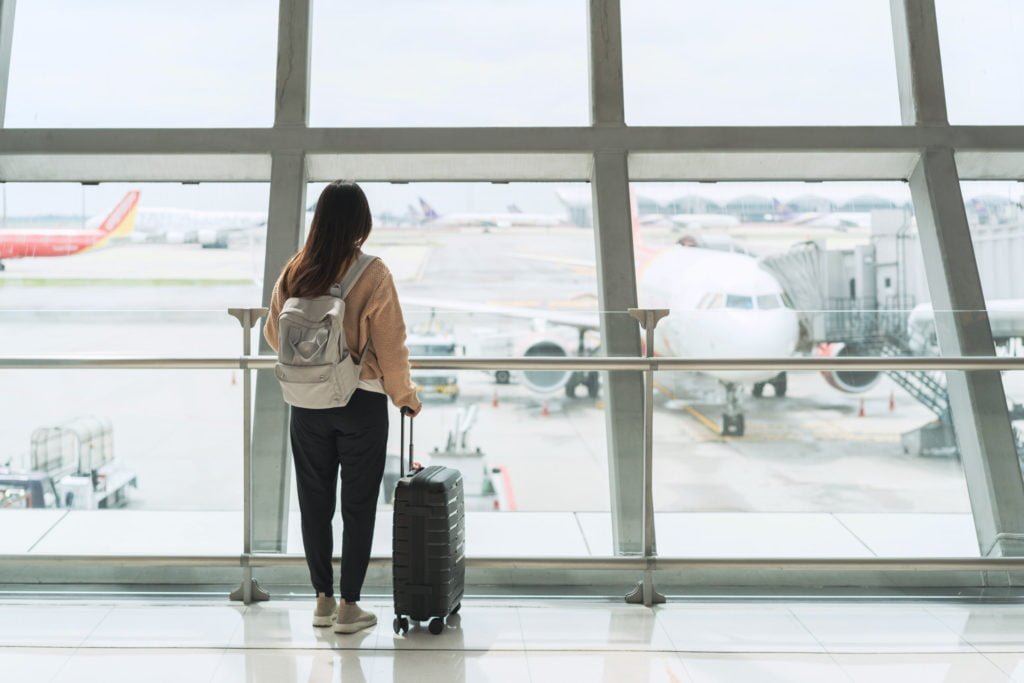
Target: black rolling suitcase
x,y
429,540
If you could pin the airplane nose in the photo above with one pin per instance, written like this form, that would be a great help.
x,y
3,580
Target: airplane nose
x,y
754,334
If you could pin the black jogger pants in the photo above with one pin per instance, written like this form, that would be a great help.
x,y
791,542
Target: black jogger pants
x,y
355,438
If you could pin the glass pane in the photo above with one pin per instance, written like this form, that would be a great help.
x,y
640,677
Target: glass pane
x,y
995,213
450,63
739,62
816,473
832,463
497,270
142,462
107,64
143,247
982,60
142,269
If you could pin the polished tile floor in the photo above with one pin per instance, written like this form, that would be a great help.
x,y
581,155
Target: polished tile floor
x,y
568,641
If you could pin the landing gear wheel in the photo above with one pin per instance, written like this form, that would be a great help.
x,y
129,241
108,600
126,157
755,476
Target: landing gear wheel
x,y
436,625
456,609
570,389
502,377
593,384
733,425
453,398
780,385
758,390
401,624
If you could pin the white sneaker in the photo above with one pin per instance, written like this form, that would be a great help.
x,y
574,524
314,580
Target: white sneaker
x,y
326,609
352,618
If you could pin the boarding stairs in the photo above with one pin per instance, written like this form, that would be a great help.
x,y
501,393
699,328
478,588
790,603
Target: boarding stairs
x,y
882,330
927,387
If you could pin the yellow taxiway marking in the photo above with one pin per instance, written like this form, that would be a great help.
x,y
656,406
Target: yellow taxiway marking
x,y
704,420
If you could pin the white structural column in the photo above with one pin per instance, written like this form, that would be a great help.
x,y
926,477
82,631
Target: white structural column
x,y
285,223
6,41
977,399
616,272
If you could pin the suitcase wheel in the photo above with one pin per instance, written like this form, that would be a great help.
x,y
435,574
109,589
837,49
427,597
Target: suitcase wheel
x,y
436,625
401,624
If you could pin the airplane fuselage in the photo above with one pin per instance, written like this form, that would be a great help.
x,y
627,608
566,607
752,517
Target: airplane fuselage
x,y
722,305
21,244
64,242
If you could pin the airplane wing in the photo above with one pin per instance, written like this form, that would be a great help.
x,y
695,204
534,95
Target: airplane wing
x,y
582,321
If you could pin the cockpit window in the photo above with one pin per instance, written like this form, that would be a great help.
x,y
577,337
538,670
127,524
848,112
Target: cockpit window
x,y
740,302
768,301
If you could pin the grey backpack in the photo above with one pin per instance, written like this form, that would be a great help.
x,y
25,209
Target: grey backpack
x,y
314,365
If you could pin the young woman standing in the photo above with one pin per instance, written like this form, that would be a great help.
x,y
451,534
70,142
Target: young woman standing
x,y
354,437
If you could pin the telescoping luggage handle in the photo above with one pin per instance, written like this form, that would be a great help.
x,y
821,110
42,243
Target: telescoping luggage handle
x,y
401,453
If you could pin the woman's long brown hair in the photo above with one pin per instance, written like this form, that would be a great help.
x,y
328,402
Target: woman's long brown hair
x,y
341,223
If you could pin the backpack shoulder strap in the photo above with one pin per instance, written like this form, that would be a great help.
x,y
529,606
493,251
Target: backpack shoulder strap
x,y
355,271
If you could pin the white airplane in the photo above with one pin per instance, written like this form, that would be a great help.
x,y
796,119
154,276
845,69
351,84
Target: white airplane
x,y
705,220
211,229
722,305
512,218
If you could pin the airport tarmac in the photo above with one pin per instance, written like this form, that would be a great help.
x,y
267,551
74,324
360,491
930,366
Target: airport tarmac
x,y
181,431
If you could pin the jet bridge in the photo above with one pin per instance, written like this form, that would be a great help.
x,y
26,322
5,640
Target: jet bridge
x,y
872,299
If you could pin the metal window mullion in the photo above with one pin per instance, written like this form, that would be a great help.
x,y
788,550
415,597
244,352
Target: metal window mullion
x,y
605,63
918,63
294,41
977,399
6,43
616,273
285,225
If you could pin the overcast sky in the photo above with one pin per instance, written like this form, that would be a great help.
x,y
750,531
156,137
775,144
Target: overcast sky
x,y
109,63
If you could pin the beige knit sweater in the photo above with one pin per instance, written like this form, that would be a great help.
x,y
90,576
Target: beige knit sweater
x,y
372,312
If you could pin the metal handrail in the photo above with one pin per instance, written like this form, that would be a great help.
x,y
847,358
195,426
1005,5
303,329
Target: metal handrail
x,y
648,562
590,363
845,564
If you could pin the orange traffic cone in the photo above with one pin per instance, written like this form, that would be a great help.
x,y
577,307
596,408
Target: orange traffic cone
x,y
892,401
494,400
860,413
544,410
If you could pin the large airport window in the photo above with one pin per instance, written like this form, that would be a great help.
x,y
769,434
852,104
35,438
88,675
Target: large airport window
x,y
450,63
126,269
738,62
795,463
185,63
982,60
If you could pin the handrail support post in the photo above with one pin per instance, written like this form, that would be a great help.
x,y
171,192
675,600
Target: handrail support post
x,y
645,592
249,591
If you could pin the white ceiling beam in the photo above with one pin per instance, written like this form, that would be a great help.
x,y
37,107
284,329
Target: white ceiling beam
x,y
507,140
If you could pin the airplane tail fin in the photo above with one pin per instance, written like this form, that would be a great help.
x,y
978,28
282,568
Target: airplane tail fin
x,y
121,221
641,250
428,211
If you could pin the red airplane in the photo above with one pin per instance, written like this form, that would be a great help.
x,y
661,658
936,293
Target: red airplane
x,y
64,242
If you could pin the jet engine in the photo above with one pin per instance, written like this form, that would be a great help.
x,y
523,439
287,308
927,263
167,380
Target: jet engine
x,y
545,381
846,381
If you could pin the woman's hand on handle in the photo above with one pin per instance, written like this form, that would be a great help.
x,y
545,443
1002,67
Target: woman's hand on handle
x,y
412,411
